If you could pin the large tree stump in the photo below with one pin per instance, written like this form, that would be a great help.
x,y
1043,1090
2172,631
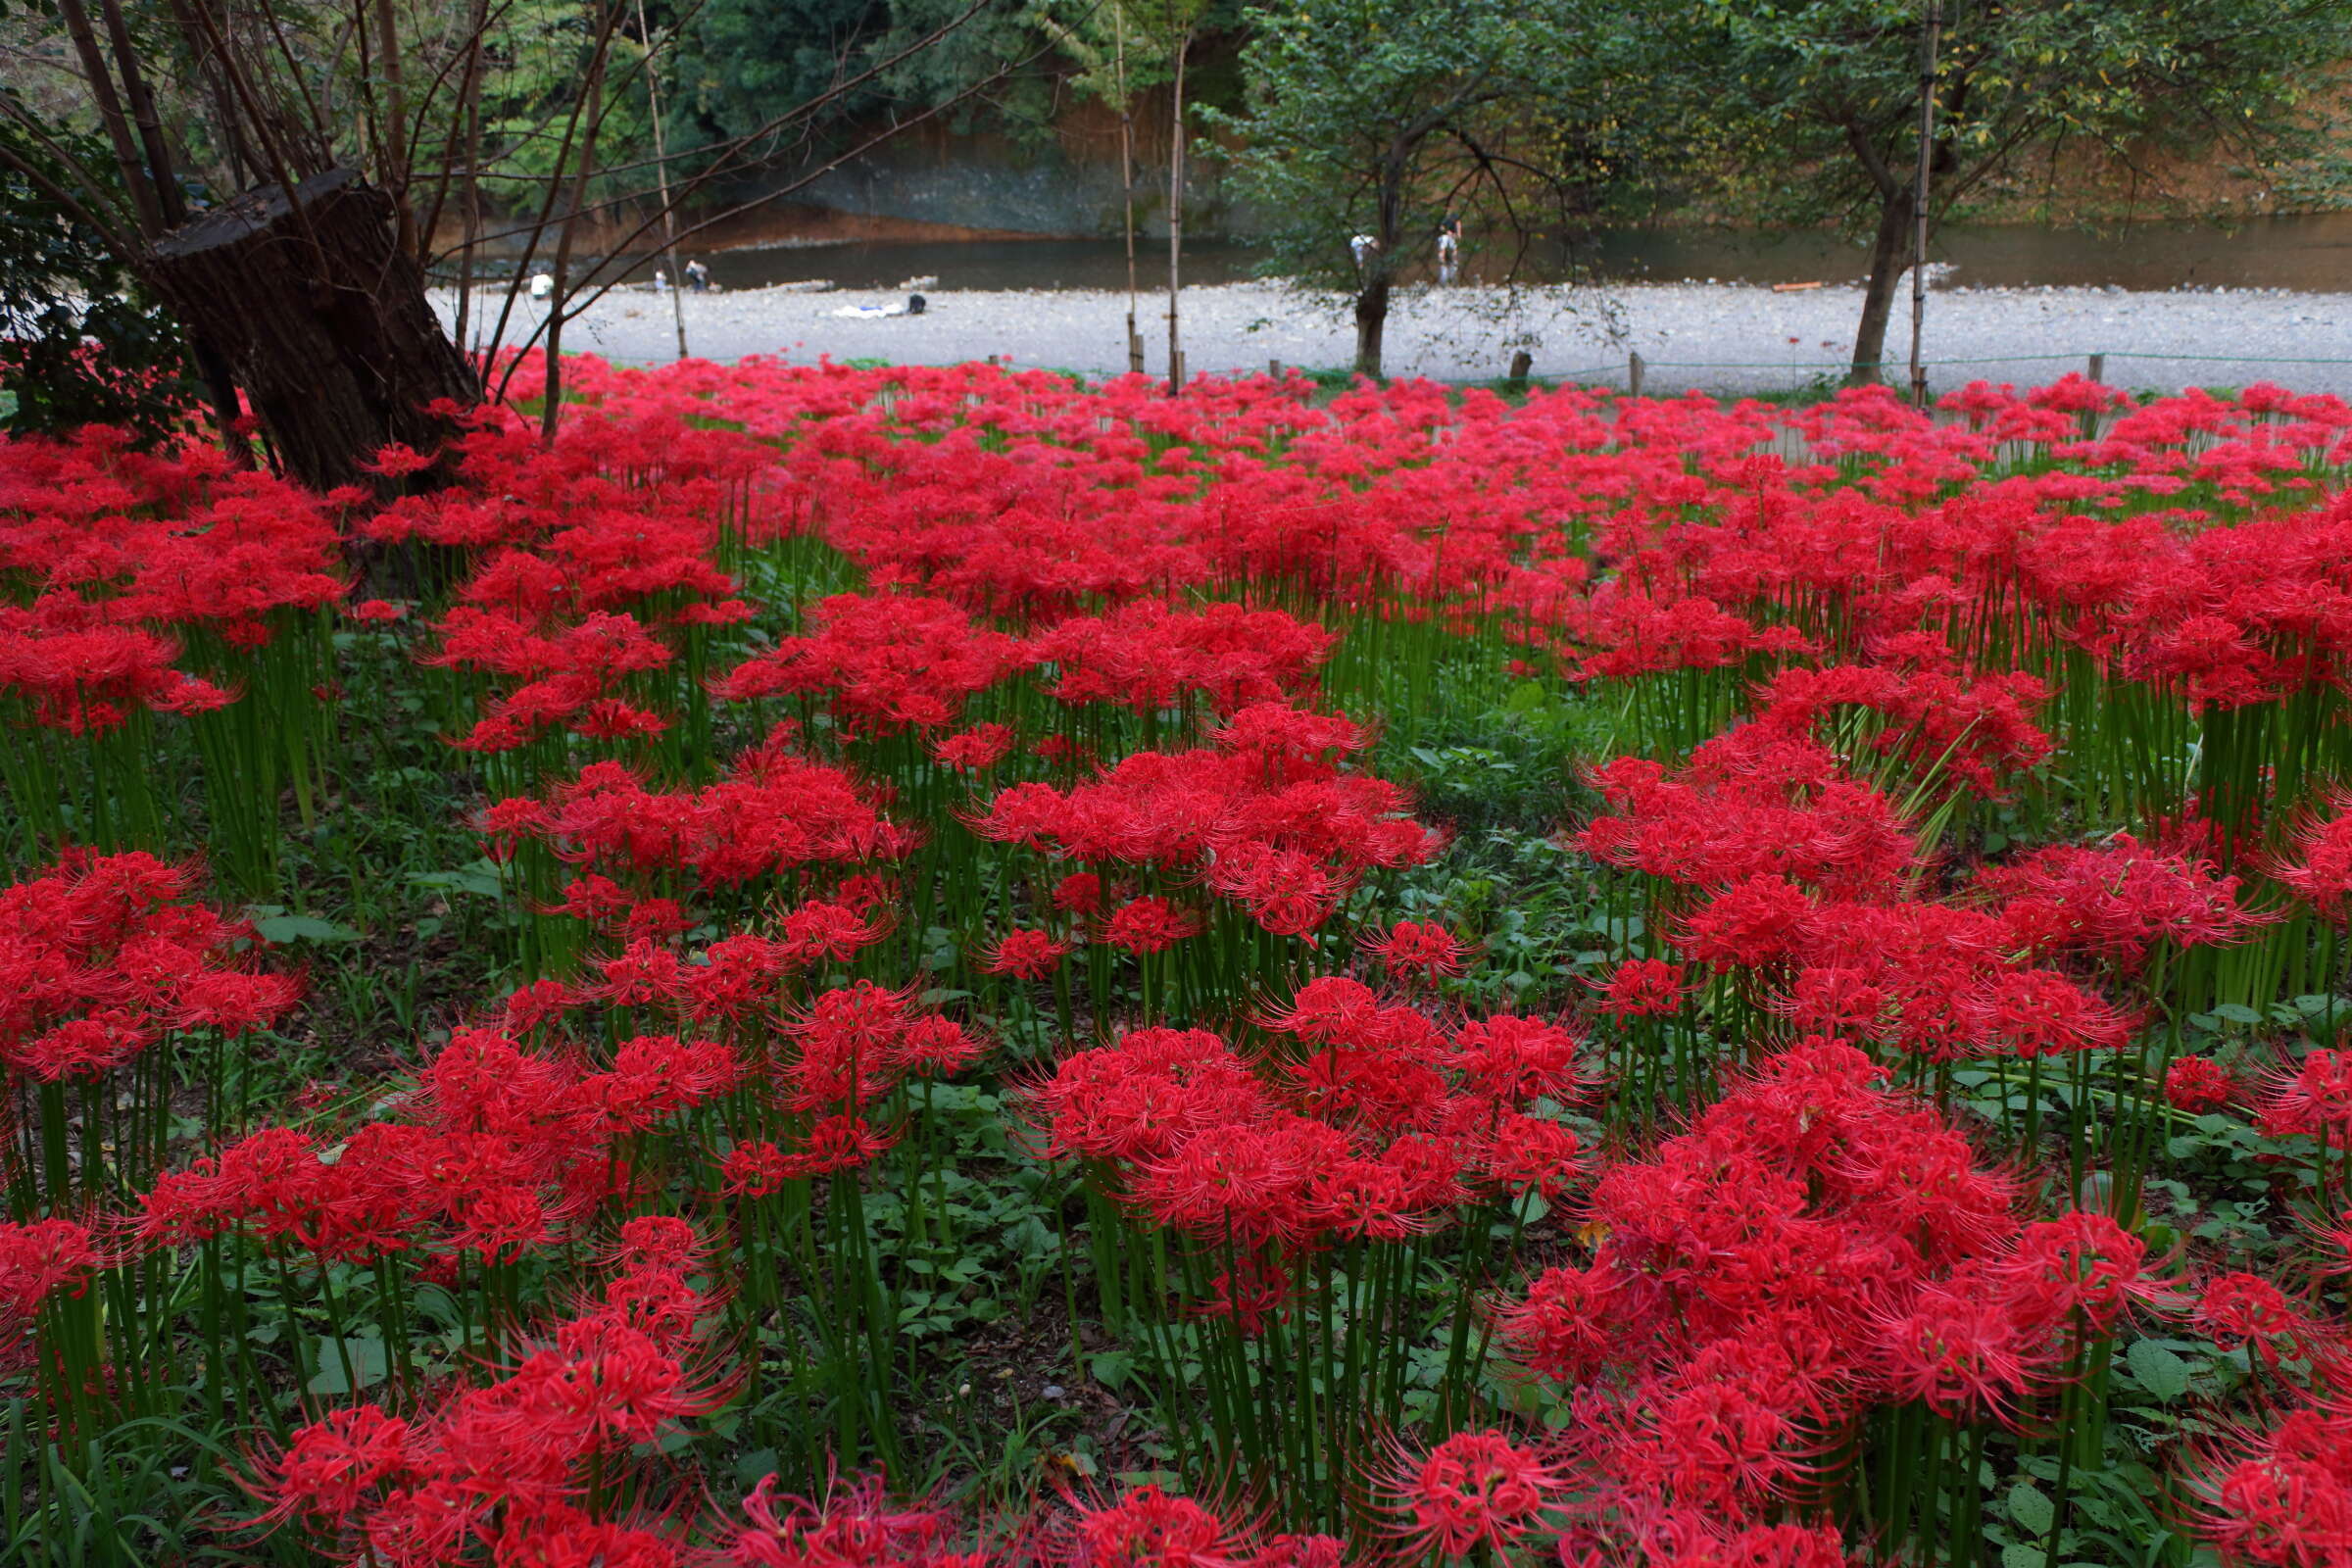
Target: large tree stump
x,y
323,319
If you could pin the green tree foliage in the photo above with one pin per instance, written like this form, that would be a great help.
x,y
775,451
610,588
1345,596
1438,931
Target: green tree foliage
x,y
1816,103
1377,118
80,342
739,64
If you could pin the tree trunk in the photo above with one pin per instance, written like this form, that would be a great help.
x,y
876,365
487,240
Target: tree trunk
x,y
1176,224
335,345
1888,251
171,209
469,99
670,213
550,401
1371,320
1118,21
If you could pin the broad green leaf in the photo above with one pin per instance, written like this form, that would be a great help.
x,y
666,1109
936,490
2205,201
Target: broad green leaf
x,y
277,929
367,1365
1112,1368
2159,1370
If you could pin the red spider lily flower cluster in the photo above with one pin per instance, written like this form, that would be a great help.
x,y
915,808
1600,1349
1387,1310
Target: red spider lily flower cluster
x,y
579,676
777,813
2318,867
2197,1085
1749,805
856,1524
135,554
1815,1243
507,1466
1374,1125
1263,815
1889,637
2116,900
1420,949
103,955
1476,1491
2283,1497
1147,656
884,663
40,1260
498,1152
78,672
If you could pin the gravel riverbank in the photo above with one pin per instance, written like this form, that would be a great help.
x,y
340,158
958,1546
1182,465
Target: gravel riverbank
x,y
1717,337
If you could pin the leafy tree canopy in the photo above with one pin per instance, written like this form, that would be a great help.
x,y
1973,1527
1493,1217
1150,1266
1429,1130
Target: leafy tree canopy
x,y
1815,104
81,341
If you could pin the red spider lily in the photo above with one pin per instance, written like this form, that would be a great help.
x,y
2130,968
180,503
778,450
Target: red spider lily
x,y
1079,893
1149,1529
1149,656
1976,731
888,661
2318,867
1697,1543
1881,618
2249,1310
513,1452
560,1536
777,812
42,1258
1149,925
1511,1060
1474,1491
1811,1234
1263,815
753,1169
853,1523
1027,955
1528,1154
82,675
1138,1099
975,750
2197,1085
1420,948
2314,1099
2080,1267
1742,811
2116,900
1642,988
104,955
2285,1496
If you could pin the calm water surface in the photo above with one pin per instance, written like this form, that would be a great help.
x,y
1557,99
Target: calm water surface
x,y
2307,253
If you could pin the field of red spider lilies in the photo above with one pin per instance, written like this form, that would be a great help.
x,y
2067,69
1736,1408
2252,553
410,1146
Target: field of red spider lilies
x,y
943,967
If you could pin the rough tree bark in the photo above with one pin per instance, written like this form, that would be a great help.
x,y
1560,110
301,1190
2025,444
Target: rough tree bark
x,y
1889,258
1372,293
1371,323
1176,222
323,319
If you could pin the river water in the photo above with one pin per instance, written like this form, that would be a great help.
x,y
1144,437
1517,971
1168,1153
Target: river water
x,y
2311,253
